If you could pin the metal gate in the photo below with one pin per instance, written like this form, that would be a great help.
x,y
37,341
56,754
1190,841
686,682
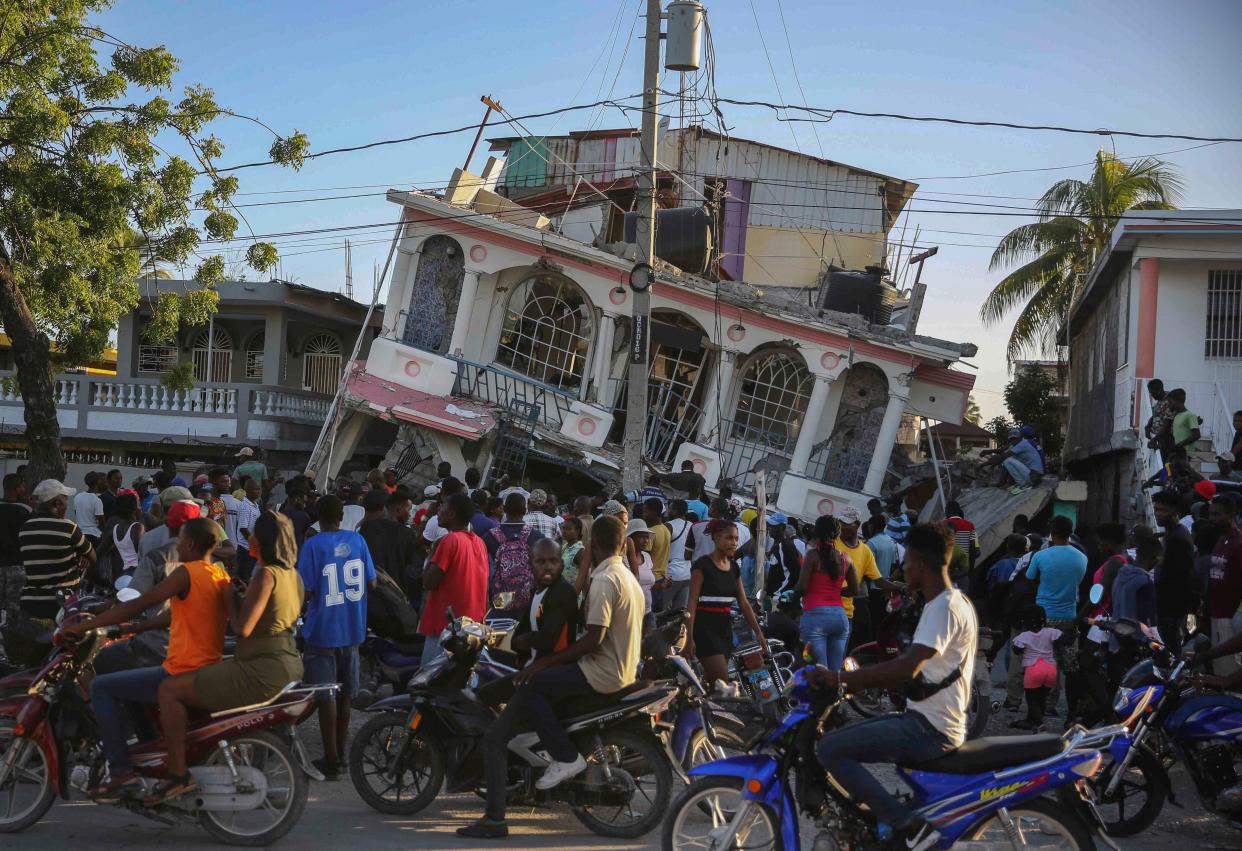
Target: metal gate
x,y
321,364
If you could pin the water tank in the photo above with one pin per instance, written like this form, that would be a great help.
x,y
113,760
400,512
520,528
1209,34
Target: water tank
x,y
685,32
683,237
865,293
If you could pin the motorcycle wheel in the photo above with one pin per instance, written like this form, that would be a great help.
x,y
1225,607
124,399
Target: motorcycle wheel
x,y
642,757
1138,799
708,804
978,713
1039,817
287,788
877,701
383,740
699,751
29,782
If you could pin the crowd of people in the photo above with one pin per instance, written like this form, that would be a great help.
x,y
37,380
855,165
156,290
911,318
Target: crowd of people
x,y
232,550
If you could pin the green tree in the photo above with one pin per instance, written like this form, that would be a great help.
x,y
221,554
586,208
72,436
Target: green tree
x,y
999,427
91,154
1029,400
1076,220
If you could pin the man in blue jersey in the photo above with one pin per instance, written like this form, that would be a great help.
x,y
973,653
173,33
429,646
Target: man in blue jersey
x,y
336,568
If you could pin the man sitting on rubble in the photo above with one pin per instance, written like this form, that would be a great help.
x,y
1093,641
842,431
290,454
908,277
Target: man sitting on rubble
x,y
1021,460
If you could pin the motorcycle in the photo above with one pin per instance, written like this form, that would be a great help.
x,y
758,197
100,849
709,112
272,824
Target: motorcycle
x,y
985,794
1169,722
893,639
399,761
382,662
249,764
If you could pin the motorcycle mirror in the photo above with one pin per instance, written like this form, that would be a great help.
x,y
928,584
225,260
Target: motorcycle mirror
x,y
1097,593
125,595
122,582
850,664
503,600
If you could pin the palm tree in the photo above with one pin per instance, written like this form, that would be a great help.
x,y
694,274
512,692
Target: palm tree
x,y
973,414
1076,219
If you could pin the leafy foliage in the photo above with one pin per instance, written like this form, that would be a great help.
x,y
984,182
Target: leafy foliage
x,y
999,427
1076,220
104,177
1029,400
973,414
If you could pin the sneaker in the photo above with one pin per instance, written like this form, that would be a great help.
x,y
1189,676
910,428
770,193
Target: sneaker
x,y
558,772
330,770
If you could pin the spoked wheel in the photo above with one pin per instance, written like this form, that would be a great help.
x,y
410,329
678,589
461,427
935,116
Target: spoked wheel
x,y
639,762
1136,802
1034,824
26,794
285,797
979,709
877,701
701,751
708,809
395,770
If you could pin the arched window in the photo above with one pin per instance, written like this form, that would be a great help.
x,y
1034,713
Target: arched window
x,y
321,364
772,400
434,295
864,399
547,331
218,350
254,356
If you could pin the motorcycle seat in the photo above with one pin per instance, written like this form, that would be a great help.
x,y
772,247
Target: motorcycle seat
x,y
992,753
571,707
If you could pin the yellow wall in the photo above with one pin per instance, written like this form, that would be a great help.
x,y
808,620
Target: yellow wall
x,y
791,258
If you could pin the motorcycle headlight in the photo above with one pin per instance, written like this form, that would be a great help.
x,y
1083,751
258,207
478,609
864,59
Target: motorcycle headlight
x,y
1122,700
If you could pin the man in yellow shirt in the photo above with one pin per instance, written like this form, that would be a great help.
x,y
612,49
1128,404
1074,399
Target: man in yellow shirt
x,y
661,539
860,554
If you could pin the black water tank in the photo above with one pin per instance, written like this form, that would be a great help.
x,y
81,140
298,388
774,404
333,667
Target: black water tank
x,y
865,293
683,237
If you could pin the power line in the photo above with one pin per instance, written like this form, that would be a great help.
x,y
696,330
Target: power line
x,y
826,114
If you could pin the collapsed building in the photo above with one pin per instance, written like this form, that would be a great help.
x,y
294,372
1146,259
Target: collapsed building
x,y
778,346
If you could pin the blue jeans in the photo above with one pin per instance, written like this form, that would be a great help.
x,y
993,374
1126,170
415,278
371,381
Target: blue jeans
x,y
1019,472
827,630
431,650
892,740
108,692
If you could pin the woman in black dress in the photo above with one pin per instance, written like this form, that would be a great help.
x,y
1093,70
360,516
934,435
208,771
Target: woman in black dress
x,y
715,585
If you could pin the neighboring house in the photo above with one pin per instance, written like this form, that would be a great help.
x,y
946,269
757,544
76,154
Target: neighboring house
x,y
265,371
1164,301
953,439
506,345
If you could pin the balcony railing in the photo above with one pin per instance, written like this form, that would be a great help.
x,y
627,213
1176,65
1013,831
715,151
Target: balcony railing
x,y
671,419
498,386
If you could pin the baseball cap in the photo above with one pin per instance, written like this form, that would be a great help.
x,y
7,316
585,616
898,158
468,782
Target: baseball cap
x,y
431,491
1013,432
1225,456
849,514
48,489
201,479
612,508
245,452
173,494
1205,489
181,511
776,518
142,481
637,527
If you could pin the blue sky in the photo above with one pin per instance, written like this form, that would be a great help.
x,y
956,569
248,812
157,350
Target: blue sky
x,y
347,73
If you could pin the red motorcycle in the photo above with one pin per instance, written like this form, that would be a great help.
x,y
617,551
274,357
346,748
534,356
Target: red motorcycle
x,y
249,764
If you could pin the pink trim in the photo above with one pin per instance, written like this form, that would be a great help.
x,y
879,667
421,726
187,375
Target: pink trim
x,y
945,377
1149,296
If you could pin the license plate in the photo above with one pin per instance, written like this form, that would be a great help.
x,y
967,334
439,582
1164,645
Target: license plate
x,y
761,681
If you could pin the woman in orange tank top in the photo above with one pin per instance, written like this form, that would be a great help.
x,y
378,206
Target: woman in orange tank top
x,y
196,590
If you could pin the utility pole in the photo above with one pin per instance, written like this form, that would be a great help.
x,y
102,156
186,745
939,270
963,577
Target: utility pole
x,y
640,343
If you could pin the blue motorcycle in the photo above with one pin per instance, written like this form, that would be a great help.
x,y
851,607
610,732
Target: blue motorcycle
x,y
1169,722
985,794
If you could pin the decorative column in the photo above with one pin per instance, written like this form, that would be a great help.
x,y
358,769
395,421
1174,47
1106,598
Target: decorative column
x,y
465,306
884,442
602,366
810,425
275,346
715,405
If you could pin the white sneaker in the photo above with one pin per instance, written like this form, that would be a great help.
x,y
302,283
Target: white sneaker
x,y
558,772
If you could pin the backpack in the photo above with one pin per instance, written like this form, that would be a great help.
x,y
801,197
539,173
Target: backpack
x,y
511,567
389,613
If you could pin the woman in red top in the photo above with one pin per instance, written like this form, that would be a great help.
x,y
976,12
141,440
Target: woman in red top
x,y
827,576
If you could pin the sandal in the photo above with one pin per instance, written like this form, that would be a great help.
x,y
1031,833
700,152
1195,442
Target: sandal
x,y
115,787
169,788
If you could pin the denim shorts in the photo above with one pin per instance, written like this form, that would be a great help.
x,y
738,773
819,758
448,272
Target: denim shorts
x,y
323,665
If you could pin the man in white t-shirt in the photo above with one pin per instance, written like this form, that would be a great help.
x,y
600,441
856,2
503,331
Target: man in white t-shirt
x,y
88,510
936,669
